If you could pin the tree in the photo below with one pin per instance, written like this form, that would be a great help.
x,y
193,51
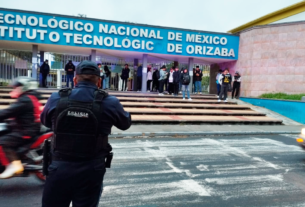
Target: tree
x,y
21,54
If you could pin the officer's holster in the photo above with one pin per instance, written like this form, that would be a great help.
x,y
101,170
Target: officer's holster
x,y
47,158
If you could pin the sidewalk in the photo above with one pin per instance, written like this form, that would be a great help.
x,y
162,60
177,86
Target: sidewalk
x,y
137,131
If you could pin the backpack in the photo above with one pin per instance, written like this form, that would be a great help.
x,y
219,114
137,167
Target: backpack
x,y
186,79
157,74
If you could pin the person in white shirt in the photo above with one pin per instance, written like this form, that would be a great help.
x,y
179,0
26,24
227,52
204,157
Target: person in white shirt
x,y
149,79
218,83
171,81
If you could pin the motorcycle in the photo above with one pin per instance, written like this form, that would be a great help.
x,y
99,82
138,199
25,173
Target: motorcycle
x,y
31,154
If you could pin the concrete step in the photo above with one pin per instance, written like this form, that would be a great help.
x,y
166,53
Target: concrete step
x,y
167,111
187,119
5,94
208,112
149,108
185,105
169,100
145,100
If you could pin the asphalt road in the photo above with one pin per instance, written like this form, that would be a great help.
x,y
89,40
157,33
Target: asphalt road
x,y
218,171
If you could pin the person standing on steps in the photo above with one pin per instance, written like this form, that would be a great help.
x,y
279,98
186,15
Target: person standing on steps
x,y
125,76
139,78
107,76
163,75
180,84
225,81
70,69
176,81
156,76
185,81
171,81
99,65
166,84
197,80
217,82
44,70
236,85
149,79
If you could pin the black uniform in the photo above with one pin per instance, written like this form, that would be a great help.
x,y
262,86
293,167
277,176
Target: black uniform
x,y
81,119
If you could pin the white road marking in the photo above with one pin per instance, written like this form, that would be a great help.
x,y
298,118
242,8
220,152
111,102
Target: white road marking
x,y
245,179
226,168
193,187
203,167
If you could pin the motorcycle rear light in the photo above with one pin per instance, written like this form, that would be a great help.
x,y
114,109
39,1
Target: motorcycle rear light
x,y
300,140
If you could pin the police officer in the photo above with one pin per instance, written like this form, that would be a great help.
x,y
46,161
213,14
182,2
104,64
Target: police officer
x,y
81,119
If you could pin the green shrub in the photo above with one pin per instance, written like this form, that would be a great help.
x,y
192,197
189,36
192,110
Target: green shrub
x,y
205,80
284,96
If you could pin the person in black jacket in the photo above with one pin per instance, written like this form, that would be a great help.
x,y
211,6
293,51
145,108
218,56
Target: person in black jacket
x,y
125,76
70,69
25,112
176,81
156,76
44,70
197,79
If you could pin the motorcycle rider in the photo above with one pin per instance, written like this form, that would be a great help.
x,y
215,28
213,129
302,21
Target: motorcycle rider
x,y
26,114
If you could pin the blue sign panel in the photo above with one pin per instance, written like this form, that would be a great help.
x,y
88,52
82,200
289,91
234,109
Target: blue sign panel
x,y
24,26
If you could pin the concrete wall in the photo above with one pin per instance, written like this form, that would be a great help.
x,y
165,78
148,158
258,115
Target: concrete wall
x,y
271,59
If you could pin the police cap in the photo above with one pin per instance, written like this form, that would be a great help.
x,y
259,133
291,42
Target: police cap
x,y
87,67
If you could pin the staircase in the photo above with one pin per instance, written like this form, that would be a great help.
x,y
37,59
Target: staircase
x,y
150,108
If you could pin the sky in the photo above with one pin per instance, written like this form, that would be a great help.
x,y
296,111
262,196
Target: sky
x,y
205,15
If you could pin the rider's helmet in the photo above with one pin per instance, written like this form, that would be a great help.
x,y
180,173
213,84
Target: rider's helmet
x,y
24,83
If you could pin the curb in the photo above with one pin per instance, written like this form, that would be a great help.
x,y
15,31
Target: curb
x,y
195,134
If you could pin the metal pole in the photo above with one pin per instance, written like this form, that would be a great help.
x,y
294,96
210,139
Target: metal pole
x,y
135,67
34,61
144,73
93,55
59,73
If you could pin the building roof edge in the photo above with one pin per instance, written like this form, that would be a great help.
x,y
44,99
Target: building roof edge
x,y
272,17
